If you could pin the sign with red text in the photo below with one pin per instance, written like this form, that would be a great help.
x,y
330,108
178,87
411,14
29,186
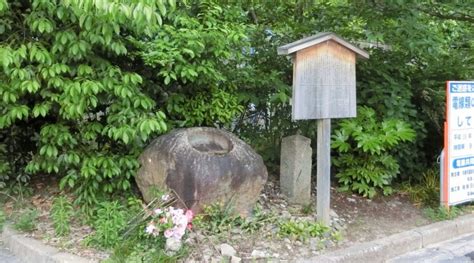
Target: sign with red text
x,y
458,178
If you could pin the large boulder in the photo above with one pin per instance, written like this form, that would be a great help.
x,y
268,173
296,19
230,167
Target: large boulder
x,y
203,166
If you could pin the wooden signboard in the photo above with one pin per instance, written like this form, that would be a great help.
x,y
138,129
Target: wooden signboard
x,y
324,77
324,87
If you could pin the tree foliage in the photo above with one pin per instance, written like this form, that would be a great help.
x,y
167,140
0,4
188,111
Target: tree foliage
x,y
193,58
413,52
70,104
85,84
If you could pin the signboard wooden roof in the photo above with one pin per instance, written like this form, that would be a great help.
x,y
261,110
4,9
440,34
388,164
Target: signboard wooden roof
x,y
317,39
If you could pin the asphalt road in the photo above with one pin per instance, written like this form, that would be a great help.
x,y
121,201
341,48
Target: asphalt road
x,y
458,250
6,256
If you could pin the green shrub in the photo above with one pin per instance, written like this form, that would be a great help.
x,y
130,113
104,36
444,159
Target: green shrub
x,y
257,220
4,166
442,213
109,221
217,219
70,103
26,221
427,191
307,209
3,218
61,213
143,251
364,162
302,229
195,56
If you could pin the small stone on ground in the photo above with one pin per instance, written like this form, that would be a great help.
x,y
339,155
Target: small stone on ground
x,y
227,250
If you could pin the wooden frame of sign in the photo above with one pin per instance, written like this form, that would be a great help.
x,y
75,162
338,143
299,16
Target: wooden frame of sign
x,y
324,87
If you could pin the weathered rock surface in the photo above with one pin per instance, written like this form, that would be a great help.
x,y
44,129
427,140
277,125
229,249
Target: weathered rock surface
x,y
295,169
258,254
173,245
227,250
203,166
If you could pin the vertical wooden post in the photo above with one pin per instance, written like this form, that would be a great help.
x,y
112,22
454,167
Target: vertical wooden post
x,y
323,170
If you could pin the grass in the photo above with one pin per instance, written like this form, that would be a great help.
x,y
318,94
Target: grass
x,y
61,213
3,219
26,220
426,192
143,251
218,219
307,209
303,229
441,213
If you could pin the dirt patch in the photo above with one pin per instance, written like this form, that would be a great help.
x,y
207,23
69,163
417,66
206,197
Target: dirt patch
x,y
369,219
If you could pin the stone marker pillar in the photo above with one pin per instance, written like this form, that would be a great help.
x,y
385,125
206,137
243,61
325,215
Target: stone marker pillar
x,y
295,169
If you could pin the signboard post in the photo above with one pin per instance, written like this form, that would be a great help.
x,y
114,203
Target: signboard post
x,y
458,176
324,87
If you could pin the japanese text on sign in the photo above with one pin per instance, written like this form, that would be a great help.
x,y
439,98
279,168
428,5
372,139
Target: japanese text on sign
x,y
458,181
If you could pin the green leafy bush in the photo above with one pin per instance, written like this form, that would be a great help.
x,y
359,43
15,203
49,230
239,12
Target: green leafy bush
x,y
364,162
307,209
425,192
217,219
133,251
26,220
4,166
109,221
302,229
70,104
194,56
257,220
61,213
442,213
3,218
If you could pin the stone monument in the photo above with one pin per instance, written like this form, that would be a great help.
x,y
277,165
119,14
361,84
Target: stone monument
x,y
203,166
295,169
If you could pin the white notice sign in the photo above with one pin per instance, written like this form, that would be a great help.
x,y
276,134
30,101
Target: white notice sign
x,y
458,181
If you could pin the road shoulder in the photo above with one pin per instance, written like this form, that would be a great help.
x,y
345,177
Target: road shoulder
x,y
31,250
383,249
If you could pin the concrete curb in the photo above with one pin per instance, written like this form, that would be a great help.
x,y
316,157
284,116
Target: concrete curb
x,y
385,248
32,250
